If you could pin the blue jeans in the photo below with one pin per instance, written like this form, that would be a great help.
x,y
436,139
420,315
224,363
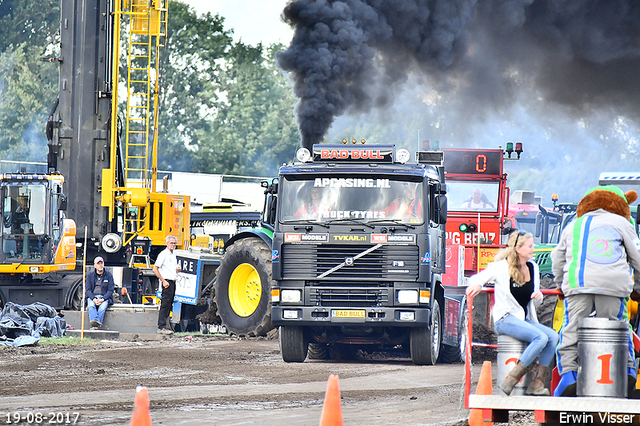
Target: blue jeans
x,y
97,312
542,339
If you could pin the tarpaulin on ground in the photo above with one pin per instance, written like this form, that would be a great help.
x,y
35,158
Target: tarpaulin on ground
x,y
22,325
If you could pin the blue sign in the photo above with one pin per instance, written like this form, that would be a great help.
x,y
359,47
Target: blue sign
x,y
187,281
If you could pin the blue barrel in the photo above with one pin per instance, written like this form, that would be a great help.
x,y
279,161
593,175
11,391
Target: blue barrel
x,y
509,351
603,349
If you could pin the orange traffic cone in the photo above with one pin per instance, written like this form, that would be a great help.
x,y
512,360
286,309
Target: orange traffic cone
x,y
483,388
331,410
141,415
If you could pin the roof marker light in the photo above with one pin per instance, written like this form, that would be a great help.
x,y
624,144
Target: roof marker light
x,y
303,155
403,155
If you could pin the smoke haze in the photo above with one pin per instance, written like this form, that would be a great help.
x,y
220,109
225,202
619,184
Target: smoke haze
x,y
560,76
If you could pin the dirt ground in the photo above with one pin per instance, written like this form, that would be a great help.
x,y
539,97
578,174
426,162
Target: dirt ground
x,y
221,380
218,380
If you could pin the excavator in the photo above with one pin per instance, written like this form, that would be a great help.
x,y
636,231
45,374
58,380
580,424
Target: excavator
x,y
98,195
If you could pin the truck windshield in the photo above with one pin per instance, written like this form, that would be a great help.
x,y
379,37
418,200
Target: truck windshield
x,y
472,196
357,199
24,208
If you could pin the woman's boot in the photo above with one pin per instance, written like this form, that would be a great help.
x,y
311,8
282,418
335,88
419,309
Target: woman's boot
x,y
537,385
513,378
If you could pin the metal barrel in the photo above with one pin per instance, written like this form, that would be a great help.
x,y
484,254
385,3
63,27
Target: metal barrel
x,y
509,351
603,349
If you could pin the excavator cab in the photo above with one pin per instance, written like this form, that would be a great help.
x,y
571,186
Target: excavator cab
x,y
36,237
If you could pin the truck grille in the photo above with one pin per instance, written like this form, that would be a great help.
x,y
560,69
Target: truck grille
x,y
543,258
387,263
349,297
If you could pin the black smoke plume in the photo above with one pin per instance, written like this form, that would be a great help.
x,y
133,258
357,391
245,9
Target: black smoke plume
x,y
354,55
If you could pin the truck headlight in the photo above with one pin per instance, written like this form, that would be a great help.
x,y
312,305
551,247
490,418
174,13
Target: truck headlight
x,y
290,314
290,296
407,316
407,296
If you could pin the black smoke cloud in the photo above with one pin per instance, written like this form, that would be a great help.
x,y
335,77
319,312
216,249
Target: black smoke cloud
x,y
355,55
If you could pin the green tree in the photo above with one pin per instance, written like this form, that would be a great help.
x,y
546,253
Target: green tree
x,y
190,74
28,86
224,108
255,129
35,23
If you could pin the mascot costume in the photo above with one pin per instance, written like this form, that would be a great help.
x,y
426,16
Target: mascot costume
x,y
591,268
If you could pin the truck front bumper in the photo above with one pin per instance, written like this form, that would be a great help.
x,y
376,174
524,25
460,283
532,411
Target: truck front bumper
x,y
396,316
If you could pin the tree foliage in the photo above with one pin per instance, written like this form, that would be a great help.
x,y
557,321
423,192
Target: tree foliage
x,y
30,22
224,107
254,130
190,75
28,86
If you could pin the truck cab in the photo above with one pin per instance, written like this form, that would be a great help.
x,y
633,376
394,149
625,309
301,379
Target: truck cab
x,y
358,252
478,205
36,237
34,225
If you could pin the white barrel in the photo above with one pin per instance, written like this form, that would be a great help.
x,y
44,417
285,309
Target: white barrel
x,y
603,349
509,351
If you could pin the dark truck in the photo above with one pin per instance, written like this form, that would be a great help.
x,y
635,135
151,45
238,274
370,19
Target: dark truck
x,y
359,253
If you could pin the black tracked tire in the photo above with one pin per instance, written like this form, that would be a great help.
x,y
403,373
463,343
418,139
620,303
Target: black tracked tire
x,y
425,342
318,351
293,344
451,354
255,252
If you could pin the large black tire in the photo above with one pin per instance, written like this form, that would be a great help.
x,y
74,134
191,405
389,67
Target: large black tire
x,y
293,344
75,295
318,351
546,310
450,354
210,316
243,291
424,343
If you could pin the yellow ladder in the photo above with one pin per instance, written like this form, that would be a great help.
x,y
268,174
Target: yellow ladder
x,y
146,34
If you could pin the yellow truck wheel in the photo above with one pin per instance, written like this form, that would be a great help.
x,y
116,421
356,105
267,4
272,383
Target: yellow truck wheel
x,y
243,288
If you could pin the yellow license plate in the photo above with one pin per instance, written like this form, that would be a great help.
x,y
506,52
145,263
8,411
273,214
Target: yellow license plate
x,y
345,313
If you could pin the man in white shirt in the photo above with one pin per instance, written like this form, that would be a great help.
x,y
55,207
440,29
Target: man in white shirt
x,y
477,201
166,269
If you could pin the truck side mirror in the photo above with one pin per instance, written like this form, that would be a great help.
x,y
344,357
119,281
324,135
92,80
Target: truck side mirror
x,y
63,202
271,209
539,220
440,213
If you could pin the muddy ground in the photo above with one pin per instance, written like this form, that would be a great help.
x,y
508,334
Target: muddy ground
x,y
221,380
